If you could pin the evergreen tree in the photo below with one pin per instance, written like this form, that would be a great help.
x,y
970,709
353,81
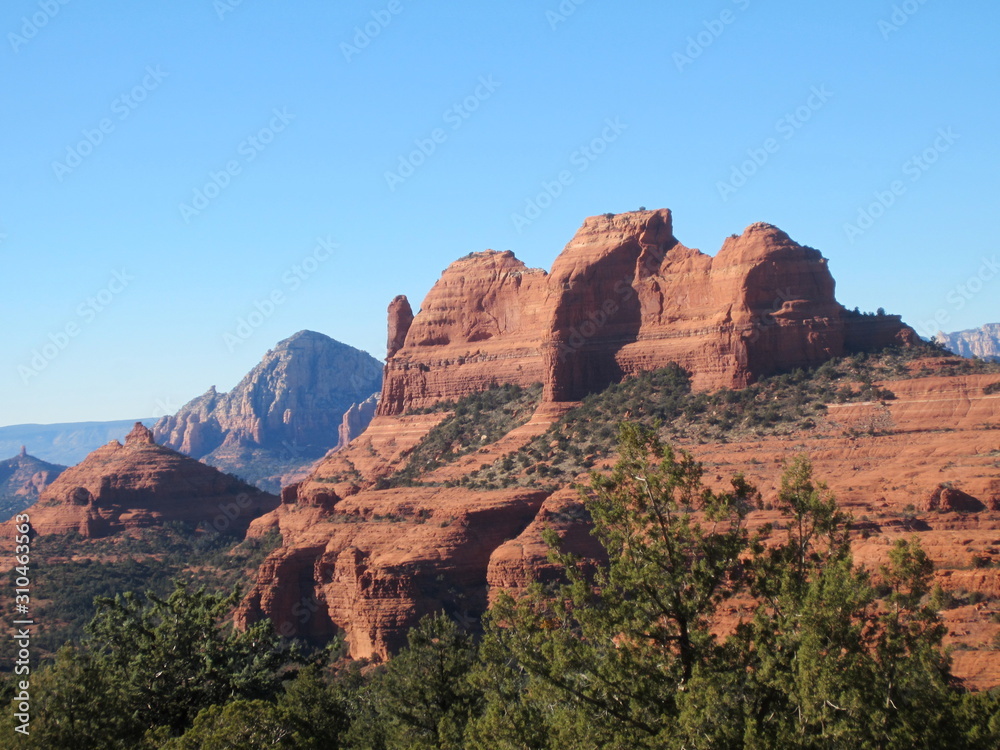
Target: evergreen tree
x,y
616,646
423,697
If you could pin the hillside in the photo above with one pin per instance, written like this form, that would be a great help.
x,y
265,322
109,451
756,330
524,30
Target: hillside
x,y
140,484
22,479
476,449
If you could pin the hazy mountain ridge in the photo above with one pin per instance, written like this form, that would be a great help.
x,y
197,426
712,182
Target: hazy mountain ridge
x,y
64,443
983,342
22,479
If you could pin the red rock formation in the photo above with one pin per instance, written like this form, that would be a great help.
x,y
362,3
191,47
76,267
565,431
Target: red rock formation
x,y
946,499
382,560
143,484
481,323
993,503
400,319
624,297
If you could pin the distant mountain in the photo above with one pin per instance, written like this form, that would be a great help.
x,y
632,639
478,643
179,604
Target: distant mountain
x,y
22,480
282,416
356,420
976,342
66,443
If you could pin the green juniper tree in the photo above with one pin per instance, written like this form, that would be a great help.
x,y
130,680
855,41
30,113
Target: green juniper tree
x,y
618,646
423,698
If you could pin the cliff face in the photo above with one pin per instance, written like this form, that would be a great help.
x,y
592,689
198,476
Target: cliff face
x,y
356,420
977,342
22,480
374,563
482,322
282,416
624,297
142,484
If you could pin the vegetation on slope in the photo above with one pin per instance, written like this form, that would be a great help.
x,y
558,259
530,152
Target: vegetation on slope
x,y
784,404
475,420
69,572
621,654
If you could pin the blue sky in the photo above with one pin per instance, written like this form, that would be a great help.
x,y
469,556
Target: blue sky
x,y
337,167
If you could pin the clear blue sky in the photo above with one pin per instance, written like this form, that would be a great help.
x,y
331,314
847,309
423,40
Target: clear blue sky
x,y
696,88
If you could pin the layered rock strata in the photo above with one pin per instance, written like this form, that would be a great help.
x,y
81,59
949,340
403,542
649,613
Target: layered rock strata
x,y
623,297
142,484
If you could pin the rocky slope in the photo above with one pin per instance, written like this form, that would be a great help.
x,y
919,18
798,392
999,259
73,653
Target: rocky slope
x,y
977,342
141,484
623,297
282,416
22,480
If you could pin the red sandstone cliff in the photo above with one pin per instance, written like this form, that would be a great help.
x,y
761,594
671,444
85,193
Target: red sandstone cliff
x,y
141,484
623,297
482,323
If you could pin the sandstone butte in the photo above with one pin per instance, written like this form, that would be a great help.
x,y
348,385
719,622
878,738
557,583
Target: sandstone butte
x,y
139,484
623,297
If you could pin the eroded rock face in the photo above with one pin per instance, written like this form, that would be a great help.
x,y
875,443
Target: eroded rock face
x,y
624,297
374,563
292,403
481,323
141,484
947,499
977,342
356,420
400,319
